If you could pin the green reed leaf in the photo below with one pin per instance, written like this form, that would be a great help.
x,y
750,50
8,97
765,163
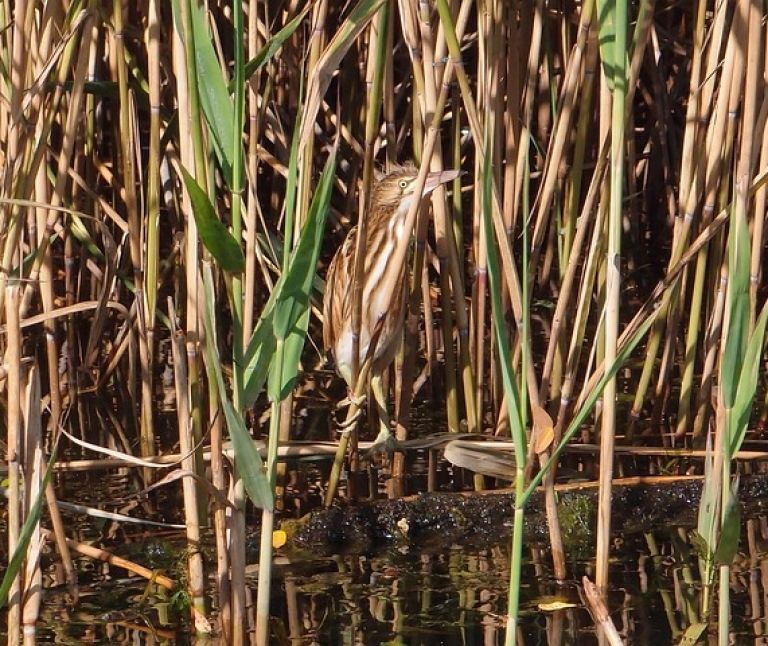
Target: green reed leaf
x,y
284,316
747,386
291,317
494,284
703,538
265,54
731,528
738,309
249,463
610,56
214,235
215,99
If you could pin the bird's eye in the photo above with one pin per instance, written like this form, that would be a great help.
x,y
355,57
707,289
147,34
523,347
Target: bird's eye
x,y
402,183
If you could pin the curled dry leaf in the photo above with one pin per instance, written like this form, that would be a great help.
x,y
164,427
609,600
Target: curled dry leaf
x,y
543,429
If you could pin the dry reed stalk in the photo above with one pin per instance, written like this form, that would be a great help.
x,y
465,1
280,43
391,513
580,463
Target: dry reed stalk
x,y
576,170
412,35
9,218
34,472
126,160
511,38
430,72
560,136
59,534
430,368
711,344
717,163
531,75
753,91
695,102
690,191
756,269
488,73
196,574
254,43
42,196
449,247
445,332
230,597
612,294
13,457
99,554
316,48
151,258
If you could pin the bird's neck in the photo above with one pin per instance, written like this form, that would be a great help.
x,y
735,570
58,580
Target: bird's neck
x,y
386,230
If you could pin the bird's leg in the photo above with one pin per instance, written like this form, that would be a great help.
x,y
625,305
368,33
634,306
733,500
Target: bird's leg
x,y
384,441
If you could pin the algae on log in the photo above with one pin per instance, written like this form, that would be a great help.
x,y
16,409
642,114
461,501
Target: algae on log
x,y
439,519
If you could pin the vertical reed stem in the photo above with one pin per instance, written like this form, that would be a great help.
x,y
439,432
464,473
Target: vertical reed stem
x,y
612,296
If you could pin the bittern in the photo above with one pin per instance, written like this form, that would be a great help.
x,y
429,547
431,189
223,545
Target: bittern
x,y
383,284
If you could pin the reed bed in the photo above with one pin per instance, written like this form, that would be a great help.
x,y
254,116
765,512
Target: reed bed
x,y
176,177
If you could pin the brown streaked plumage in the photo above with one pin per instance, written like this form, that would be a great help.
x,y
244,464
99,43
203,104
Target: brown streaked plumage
x,y
383,292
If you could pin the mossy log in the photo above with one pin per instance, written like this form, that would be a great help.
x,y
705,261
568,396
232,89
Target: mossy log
x,y
639,505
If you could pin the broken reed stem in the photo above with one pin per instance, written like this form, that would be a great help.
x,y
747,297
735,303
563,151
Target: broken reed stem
x,y
600,614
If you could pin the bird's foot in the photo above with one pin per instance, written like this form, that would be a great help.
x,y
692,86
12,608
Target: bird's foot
x,y
349,423
385,442
350,400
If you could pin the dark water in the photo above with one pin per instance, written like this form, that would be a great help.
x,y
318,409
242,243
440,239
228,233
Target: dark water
x,y
429,594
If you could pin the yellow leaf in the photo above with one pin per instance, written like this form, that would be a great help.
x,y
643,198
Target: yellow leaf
x,y
551,606
279,538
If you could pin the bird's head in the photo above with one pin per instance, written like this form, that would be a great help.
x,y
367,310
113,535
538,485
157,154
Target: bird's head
x,y
395,190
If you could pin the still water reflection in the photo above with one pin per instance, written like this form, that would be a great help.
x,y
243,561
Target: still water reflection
x,y
454,594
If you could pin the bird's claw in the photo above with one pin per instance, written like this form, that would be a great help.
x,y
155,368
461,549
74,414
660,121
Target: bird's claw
x,y
351,400
342,426
385,442
347,424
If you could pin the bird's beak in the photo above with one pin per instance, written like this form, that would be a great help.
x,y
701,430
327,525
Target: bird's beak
x,y
436,179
